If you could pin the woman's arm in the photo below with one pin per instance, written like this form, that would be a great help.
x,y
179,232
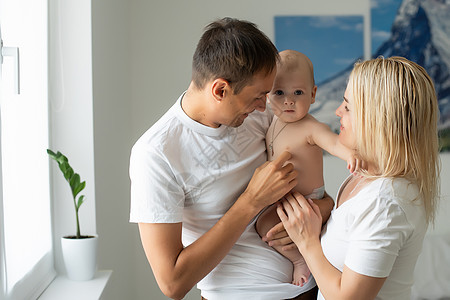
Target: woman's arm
x,y
303,221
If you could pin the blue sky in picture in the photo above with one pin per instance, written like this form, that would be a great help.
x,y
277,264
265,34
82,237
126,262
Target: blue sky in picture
x,y
333,43
383,13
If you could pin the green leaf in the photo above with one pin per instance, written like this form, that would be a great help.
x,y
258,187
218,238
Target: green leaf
x,y
80,201
51,154
74,183
79,188
67,170
60,158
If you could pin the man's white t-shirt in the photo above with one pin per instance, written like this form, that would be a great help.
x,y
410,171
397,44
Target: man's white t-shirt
x,y
183,171
378,233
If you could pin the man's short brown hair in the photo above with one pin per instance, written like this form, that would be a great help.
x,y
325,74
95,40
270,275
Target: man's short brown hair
x,y
234,50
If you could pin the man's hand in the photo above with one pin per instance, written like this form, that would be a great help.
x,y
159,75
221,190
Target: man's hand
x,y
271,182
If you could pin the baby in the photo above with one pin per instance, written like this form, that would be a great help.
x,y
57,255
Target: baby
x,y
293,129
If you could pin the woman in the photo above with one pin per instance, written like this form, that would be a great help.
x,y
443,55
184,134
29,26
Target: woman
x,y
371,242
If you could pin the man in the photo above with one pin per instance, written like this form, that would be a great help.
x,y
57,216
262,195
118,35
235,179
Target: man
x,y
192,191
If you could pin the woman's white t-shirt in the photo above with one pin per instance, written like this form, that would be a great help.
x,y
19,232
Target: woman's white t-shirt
x,y
378,233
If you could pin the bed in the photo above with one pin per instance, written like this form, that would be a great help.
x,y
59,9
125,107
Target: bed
x,y
432,273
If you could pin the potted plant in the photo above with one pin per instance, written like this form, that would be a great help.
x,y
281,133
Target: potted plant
x,y
79,251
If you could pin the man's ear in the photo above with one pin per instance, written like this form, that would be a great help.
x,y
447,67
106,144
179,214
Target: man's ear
x,y
313,94
219,88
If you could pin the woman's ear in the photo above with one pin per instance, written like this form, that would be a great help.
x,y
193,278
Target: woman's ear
x,y
219,88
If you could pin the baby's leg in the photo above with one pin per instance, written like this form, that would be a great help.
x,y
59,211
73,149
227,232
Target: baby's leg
x,y
265,222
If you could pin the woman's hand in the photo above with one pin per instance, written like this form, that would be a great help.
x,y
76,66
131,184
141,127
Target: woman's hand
x,y
301,219
277,236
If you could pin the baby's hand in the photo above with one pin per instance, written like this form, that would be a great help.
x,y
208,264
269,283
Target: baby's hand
x,y
355,163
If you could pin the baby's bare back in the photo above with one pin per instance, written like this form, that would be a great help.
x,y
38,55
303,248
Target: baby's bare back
x,y
306,158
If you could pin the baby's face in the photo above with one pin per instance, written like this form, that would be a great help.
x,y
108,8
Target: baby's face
x,y
291,95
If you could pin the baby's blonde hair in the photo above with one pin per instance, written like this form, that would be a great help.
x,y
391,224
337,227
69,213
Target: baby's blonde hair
x,y
292,60
395,121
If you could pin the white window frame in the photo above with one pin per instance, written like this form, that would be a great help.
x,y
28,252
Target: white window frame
x,y
2,235
42,273
71,121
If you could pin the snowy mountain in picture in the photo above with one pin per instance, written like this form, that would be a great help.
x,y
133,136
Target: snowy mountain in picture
x,y
421,33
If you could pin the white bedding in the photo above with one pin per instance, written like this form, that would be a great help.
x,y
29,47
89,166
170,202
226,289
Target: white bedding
x,y
432,273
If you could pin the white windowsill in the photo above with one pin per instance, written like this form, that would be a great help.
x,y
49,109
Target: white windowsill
x,y
63,288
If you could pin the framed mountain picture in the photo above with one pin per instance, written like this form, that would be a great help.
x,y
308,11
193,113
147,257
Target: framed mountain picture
x,y
416,29
419,31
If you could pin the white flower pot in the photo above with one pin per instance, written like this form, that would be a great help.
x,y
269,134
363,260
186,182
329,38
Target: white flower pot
x,y
80,257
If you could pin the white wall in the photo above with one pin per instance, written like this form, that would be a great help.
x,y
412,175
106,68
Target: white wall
x,y
142,52
118,240
164,35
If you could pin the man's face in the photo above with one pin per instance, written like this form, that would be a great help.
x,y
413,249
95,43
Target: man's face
x,y
252,97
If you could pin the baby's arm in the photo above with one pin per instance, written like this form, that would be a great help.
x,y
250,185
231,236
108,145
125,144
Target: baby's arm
x,y
322,136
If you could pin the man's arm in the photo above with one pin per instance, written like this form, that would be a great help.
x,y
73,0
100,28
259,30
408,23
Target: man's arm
x,y
178,269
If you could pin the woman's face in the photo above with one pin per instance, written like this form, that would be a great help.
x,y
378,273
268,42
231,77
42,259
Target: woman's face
x,y
344,111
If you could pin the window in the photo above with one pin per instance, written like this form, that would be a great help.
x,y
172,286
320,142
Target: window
x,y
26,259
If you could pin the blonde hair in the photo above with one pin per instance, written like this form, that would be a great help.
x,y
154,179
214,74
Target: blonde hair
x,y
395,120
